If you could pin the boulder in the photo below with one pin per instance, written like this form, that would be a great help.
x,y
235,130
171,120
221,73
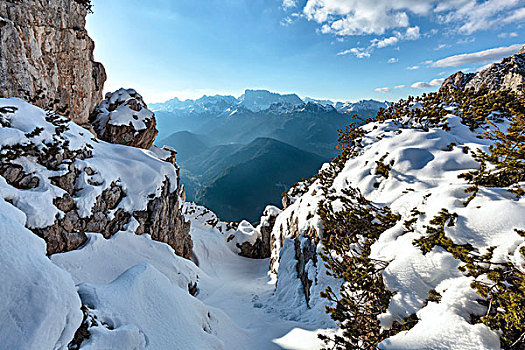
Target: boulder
x,y
123,118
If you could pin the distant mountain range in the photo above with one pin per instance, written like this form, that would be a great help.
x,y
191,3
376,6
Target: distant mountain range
x,y
256,101
246,151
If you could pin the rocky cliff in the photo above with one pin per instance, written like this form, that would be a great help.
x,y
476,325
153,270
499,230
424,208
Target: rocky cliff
x,y
46,56
509,74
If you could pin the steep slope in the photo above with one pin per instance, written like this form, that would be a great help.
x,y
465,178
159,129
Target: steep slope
x,y
254,176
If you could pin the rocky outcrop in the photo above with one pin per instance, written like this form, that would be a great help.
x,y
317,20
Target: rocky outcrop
x,y
457,81
46,56
261,248
305,253
265,228
509,74
123,118
164,221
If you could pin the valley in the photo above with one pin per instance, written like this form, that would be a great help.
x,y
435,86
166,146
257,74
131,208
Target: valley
x,y
237,155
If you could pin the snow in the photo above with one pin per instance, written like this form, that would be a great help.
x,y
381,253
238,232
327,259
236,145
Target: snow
x,y
122,251
115,109
137,289
39,307
443,325
246,233
424,175
140,172
143,300
242,288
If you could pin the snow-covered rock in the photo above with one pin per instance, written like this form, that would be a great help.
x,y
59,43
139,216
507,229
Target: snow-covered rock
x,y
39,304
123,118
242,237
68,183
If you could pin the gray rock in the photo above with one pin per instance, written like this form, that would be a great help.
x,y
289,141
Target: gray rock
x,y
262,248
123,118
46,57
509,74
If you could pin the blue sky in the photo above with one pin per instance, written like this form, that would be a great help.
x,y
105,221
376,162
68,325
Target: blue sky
x,y
336,49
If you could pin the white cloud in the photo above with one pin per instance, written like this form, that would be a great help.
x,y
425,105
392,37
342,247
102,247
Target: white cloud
x,y
287,4
365,17
286,21
472,15
441,46
508,35
357,51
467,40
421,85
392,60
411,33
430,84
413,67
436,82
386,42
484,56
400,86
518,15
384,89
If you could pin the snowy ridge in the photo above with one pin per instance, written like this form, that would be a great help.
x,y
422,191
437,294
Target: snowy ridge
x,y
423,175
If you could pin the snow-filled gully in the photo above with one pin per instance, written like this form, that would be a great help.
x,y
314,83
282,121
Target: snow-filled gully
x,y
242,288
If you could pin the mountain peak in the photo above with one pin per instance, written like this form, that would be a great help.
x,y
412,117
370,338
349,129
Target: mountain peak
x,y
258,100
509,74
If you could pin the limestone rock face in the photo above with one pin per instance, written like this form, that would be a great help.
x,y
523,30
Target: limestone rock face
x,y
457,81
46,57
507,74
123,118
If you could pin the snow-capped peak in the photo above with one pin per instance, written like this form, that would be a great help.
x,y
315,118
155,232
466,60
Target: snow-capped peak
x,y
259,100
